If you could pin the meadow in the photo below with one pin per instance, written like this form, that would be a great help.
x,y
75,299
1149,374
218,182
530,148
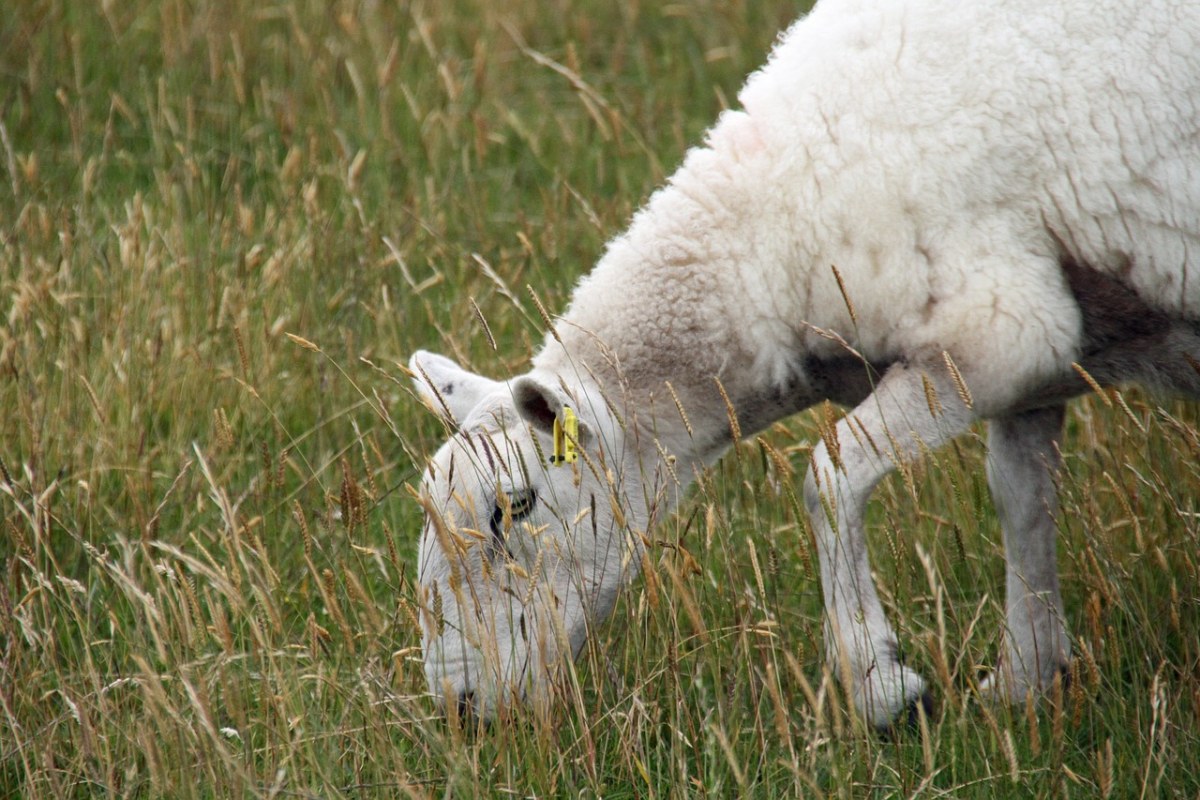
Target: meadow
x,y
224,226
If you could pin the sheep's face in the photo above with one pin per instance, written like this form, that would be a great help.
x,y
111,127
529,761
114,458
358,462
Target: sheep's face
x,y
517,555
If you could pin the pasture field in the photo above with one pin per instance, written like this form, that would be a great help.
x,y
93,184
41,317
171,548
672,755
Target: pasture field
x,y
225,224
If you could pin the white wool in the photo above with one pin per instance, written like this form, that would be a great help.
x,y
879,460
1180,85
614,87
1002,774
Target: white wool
x,y
944,175
972,196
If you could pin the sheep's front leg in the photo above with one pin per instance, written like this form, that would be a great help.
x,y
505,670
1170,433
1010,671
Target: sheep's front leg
x,y
911,410
1023,459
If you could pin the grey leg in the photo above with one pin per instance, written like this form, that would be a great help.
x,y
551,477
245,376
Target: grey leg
x,y
1023,460
894,425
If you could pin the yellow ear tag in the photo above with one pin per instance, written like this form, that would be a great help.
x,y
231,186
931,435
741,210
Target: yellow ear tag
x,y
566,436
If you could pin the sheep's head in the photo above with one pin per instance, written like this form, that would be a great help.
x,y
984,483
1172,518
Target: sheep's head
x,y
518,554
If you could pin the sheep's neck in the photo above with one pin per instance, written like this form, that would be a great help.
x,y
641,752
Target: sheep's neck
x,y
650,328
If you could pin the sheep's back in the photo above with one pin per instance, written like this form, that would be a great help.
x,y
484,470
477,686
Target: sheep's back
x,y
1074,125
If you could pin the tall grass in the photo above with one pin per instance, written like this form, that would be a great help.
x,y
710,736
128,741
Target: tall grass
x,y
222,226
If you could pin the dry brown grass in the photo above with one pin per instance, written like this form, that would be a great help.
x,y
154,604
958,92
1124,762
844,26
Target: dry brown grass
x,y
206,551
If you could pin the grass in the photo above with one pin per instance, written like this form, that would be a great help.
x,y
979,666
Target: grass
x,y
223,224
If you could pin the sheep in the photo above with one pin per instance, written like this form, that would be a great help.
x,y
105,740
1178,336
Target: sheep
x,y
931,212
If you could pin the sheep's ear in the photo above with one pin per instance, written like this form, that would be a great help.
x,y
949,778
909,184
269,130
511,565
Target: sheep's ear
x,y
446,387
539,405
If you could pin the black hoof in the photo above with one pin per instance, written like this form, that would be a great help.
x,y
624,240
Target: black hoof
x,y
909,719
466,705
1064,678
468,718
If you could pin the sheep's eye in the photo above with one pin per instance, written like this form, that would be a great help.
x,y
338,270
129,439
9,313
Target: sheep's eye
x,y
520,505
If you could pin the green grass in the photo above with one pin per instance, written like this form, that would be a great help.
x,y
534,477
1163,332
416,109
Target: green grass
x,y
207,547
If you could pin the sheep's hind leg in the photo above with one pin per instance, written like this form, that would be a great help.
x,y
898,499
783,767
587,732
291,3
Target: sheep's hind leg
x,y
1023,459
910,411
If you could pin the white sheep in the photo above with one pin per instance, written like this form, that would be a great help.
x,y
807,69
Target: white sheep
x,y
932,211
